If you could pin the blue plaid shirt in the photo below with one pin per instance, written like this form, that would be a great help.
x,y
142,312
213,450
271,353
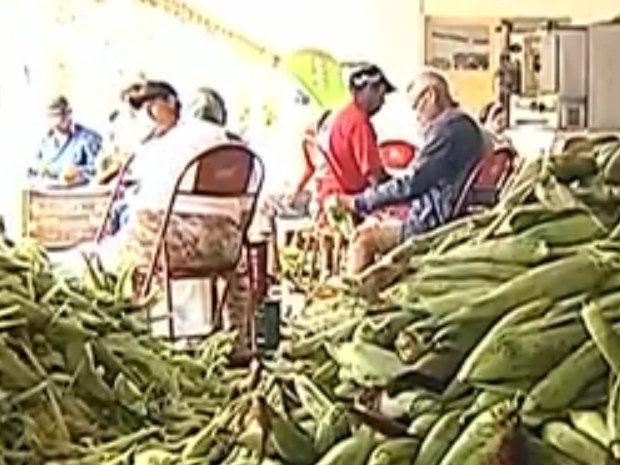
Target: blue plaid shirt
x,y
452,147
79,149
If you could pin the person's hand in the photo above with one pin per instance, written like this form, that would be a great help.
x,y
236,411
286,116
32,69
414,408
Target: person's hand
x,y
340,200
72,175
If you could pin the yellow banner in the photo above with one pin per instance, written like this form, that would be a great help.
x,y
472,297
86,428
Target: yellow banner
x,y
320,76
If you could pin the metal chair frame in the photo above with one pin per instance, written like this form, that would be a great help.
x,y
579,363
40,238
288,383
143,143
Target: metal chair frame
x,y
159,263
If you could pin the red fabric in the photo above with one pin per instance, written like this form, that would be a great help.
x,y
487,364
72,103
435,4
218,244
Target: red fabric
x,y
353,154
396,154
489,176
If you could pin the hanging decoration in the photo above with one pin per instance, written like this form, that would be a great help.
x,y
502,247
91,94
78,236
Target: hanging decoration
x,y
188,14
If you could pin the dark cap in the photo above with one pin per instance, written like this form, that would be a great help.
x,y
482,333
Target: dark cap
x,y
208,105
367,74
59,105
138,95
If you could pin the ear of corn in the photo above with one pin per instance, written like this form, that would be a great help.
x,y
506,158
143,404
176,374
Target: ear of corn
x,y
511,250
484,401
439,439
382,330
514,352
472,269
574,444
526,312
603,334
573,227
485,437
592,424
447,303
612,416
312,399
422,424
556,280
332,428
367,364
559,388
399,451
354,450
541,452
289,442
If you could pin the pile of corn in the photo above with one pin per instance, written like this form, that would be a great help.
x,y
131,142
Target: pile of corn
x,y
494,340
83,381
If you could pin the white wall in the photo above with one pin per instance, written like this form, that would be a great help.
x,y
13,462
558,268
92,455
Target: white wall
x,y
385,31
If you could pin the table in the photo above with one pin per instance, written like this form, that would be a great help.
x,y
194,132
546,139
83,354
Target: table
x,y
61,218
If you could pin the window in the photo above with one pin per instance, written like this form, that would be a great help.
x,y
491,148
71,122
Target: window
x,y
458,47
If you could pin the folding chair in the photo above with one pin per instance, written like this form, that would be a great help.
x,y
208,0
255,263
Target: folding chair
x,y
230,171
226,171
396,154
486,181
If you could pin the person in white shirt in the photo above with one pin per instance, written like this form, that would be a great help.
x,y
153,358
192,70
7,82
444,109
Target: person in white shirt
x,y
204,230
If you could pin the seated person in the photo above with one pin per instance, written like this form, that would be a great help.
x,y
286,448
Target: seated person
x,y
69,150
309,155
348,141
494,121
297,204
201,231
453,144
120,143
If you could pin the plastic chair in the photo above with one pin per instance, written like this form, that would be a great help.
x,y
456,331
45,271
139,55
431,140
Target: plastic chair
x,y
396,154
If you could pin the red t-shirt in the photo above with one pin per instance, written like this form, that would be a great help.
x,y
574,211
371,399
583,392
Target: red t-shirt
x,y
353,154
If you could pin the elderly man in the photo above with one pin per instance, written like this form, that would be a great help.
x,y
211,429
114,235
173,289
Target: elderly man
x,y
453,144
69,150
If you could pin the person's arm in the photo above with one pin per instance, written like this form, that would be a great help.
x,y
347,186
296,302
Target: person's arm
x,y
86,158
366,152
434,161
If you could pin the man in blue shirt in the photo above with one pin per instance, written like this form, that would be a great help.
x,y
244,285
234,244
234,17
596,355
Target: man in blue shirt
x,y
453,145
69,150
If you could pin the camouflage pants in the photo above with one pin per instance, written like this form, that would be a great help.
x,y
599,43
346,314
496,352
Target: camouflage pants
x,y
207,243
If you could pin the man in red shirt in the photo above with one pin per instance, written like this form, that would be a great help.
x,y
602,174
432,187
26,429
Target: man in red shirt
x,y
348,142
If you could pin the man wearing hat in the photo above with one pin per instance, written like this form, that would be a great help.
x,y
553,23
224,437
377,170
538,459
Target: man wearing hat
x,y
69,150
349,143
